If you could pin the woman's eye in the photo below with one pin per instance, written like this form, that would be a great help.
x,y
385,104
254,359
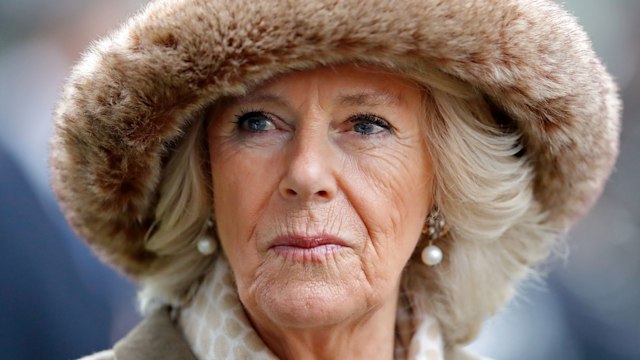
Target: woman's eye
x,y
367,128
255,121
367,124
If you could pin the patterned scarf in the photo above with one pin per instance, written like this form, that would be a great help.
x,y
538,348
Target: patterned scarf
x,y
216,327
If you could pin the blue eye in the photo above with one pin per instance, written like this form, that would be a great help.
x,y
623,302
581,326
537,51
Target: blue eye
x,y
367,128
255,121
367,124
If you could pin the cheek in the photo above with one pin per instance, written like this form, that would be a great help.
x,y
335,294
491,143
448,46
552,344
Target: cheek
x,y
242,186
393,198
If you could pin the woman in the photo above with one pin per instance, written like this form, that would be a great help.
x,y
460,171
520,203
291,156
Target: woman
x,y
330,179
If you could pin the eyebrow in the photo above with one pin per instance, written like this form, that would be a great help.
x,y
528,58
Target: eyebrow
x,y
366,98
265,98
369,98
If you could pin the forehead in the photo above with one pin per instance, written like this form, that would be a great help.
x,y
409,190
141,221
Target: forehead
x,y
349,85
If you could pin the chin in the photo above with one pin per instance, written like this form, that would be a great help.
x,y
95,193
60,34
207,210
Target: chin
x,y
305,307
309,295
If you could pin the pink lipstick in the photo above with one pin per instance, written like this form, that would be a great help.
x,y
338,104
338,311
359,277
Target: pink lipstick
x,y
307,248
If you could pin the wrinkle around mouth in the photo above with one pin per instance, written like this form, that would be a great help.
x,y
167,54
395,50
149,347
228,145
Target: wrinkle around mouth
x,y
337,218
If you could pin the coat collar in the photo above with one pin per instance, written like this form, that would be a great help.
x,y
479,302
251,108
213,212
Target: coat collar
x,y
156,337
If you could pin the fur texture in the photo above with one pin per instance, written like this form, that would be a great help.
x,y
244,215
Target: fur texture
x,y
125,103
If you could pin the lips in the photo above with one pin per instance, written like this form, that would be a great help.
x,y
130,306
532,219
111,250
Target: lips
x,y
307,242
307,248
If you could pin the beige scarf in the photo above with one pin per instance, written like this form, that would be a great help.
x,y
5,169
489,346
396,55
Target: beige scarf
x,y
216,326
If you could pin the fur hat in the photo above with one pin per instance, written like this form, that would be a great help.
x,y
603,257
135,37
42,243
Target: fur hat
x,y
126,102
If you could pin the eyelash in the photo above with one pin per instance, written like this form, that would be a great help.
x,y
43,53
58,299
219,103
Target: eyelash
x,y
242,112
239,117
373,119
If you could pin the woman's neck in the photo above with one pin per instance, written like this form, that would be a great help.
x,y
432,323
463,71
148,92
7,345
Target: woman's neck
x,y
368,337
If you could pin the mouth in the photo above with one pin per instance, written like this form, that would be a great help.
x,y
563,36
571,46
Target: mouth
x,y
307,248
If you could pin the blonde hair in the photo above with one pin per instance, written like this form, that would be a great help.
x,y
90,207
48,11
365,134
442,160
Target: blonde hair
x,y
483,185
182,214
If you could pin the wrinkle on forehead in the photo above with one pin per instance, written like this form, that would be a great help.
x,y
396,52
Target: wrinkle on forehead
x,y
369,98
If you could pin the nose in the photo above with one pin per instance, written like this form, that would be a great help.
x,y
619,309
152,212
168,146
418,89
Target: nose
x,y
310,171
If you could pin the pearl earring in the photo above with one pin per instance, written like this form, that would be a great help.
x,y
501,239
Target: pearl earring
x,y
435,228
207,245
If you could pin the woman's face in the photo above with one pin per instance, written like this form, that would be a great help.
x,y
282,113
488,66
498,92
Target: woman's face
x,y
321,183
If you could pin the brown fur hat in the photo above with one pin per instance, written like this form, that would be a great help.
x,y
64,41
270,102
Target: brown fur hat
x,y
126,102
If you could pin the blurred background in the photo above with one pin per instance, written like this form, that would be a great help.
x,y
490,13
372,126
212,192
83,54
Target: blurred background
x,y
59,302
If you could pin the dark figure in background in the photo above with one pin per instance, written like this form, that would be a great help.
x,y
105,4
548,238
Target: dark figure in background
x,y
47,311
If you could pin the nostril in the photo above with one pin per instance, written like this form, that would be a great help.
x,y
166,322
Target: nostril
x,y
291,192
322,193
